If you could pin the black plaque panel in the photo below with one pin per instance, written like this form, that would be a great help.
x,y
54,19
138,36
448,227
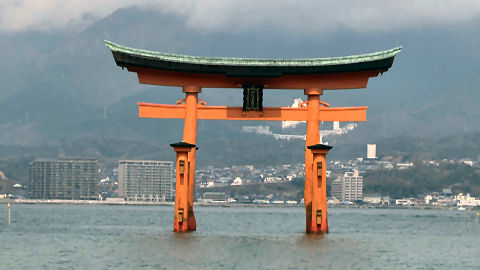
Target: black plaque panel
x,y
252,98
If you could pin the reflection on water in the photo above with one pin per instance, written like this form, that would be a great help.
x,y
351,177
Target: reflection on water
x,y
128,237
312,242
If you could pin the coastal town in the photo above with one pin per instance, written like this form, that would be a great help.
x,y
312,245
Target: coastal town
x,y
152,182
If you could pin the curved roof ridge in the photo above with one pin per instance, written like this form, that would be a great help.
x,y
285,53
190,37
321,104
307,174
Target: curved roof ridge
x,y
234,61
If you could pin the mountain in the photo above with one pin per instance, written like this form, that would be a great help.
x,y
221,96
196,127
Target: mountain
x,y
61,88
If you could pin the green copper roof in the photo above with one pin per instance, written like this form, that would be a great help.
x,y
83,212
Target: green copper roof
x,y
126,56
255,61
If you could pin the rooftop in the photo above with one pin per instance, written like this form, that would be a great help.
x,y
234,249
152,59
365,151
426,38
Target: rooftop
x,y
241,67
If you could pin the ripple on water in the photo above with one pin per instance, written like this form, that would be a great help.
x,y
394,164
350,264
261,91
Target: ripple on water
x,y
123,237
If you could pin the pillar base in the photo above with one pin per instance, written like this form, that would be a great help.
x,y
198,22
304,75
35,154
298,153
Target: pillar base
x,y
180,226
316,210
191,221
184,218
188,225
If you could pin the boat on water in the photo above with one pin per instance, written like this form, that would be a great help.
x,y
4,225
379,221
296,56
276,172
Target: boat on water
x,y
461,208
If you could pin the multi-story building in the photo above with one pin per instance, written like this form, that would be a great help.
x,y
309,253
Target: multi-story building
x,y
348,188
337,189
64,178
352,186
371,151
373,199
145,180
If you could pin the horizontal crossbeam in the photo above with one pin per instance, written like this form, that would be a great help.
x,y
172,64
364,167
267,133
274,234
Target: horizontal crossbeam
x,y
150,110
347,80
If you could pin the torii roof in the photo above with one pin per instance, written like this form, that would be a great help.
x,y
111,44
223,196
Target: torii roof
x,y
251,67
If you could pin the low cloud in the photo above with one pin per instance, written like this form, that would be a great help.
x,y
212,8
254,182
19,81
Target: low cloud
x,y
47,15
307,16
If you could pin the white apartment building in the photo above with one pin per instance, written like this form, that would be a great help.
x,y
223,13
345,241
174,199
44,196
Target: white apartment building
x,y
352,186
349,188
371,151
145,180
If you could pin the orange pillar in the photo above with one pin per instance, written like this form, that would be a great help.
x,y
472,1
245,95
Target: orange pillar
x,y
313,137
319,221
190,136
182,174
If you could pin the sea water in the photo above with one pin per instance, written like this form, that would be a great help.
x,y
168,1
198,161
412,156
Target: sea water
x,y
141,237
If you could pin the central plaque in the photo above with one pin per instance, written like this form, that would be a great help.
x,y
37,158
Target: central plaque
x,y
252,98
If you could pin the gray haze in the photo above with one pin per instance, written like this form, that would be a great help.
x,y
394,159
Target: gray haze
x,y
296,17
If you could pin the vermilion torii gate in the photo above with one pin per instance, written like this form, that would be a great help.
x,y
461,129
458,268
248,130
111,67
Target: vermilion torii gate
x,y
193,73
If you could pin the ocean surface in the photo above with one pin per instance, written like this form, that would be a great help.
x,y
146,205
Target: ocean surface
x,y
141,237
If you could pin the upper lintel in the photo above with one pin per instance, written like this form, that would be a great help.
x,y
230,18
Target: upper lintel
x,y
251,67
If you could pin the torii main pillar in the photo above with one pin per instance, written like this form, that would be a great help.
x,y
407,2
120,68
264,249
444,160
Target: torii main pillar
x,y
190,136
193,73
312,138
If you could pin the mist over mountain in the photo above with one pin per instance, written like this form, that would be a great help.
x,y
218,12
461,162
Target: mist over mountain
x,y
59,88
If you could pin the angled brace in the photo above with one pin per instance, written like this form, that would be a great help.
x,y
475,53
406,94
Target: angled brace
x,y
181,101
303,103
324,103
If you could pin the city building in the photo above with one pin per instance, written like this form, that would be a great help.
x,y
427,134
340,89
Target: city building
x,y
292,124
237,182
405,201
145,180
427,198
445,201
64,178
385,200
405,165
337,189
371,151
215,196
336,125
466,200
348,188
373,199
352,186
333,200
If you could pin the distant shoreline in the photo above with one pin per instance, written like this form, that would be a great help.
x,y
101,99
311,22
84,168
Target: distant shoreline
x,y
203,204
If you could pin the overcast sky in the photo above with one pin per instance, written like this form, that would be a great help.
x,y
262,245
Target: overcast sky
x,y
307,16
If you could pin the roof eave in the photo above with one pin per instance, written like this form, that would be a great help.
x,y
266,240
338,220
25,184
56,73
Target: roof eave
x,y
129,57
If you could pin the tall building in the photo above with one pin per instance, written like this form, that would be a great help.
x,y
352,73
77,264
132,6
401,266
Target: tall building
x,y
145,180
64,178
352,186
336,125
348,188
337,189
371,151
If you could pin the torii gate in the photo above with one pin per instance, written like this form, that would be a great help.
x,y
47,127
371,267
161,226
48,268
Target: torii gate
x,y
193,73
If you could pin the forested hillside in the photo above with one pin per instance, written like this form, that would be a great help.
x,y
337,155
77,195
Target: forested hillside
x,y
60,91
